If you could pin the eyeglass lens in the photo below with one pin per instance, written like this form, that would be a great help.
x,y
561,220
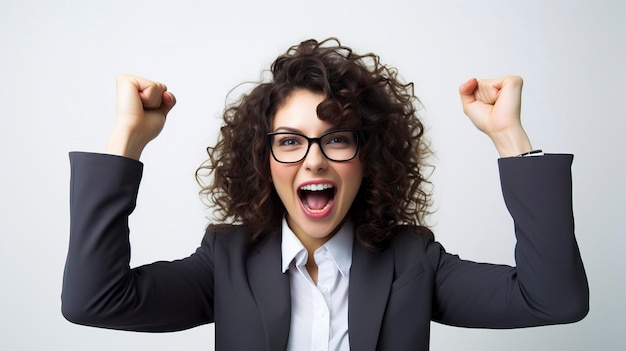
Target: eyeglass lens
x,y
293,147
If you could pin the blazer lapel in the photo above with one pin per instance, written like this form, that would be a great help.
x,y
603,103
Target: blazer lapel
x,y
270,288
371,276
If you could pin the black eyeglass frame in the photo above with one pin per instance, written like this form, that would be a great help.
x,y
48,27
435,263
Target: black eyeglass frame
x,y
317,140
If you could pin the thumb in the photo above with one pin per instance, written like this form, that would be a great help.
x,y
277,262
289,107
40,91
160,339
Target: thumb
x,y
466,91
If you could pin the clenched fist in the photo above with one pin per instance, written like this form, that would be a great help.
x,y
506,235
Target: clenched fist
x,y
142,106
493,106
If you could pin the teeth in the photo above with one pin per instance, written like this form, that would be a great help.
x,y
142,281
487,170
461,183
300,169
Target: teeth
x,y
316,187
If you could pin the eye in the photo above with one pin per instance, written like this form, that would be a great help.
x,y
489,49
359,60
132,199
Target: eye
x,y
340,139
288,140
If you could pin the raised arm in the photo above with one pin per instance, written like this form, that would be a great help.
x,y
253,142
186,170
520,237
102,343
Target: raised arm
x,y
548,285
99,287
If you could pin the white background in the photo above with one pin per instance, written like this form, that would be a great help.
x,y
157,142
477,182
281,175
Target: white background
x,y
59,60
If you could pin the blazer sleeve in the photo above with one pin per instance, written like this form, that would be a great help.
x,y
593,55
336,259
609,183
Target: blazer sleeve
x,y
99,287
548,284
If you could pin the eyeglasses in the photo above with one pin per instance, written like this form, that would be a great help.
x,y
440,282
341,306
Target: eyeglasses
x,y
337,145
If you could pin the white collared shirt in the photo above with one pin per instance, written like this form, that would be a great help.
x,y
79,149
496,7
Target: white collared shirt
x,y
319,313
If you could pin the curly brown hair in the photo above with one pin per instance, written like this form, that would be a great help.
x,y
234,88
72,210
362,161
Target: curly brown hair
x,y
361,93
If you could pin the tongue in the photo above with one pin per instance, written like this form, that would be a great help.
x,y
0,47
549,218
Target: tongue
x,y
316,200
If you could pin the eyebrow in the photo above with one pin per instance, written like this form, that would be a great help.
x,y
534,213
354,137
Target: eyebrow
x,y
295,130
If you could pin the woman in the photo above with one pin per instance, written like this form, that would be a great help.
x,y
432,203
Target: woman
x,y
319,175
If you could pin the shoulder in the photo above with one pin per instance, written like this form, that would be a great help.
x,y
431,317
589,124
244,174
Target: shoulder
x,y
234,239
415,246
411,238
226,235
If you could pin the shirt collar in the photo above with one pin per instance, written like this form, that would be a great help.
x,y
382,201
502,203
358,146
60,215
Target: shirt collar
x,y
339,247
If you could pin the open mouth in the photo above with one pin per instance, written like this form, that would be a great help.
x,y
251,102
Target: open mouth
x,y
317,198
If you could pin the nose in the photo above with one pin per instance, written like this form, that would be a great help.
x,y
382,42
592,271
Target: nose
x,y
315,160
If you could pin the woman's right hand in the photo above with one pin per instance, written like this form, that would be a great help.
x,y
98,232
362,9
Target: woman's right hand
x,y
142,106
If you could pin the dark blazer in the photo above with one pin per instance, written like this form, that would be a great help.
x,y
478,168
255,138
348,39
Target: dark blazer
x,y
393,294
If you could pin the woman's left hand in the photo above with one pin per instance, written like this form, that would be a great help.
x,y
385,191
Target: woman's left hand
x,y
493,106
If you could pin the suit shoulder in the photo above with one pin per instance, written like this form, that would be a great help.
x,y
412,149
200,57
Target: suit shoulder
x,y
231,237
413,245
227,233
412,236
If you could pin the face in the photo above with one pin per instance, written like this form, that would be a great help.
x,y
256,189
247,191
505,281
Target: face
x,y
313,216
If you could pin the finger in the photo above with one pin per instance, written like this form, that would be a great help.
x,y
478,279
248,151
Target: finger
x,y
488,90
466,90
168,101
135,94
149,92
152,95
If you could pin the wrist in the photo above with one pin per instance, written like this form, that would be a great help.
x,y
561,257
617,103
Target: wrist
x,y
511,142
124,144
